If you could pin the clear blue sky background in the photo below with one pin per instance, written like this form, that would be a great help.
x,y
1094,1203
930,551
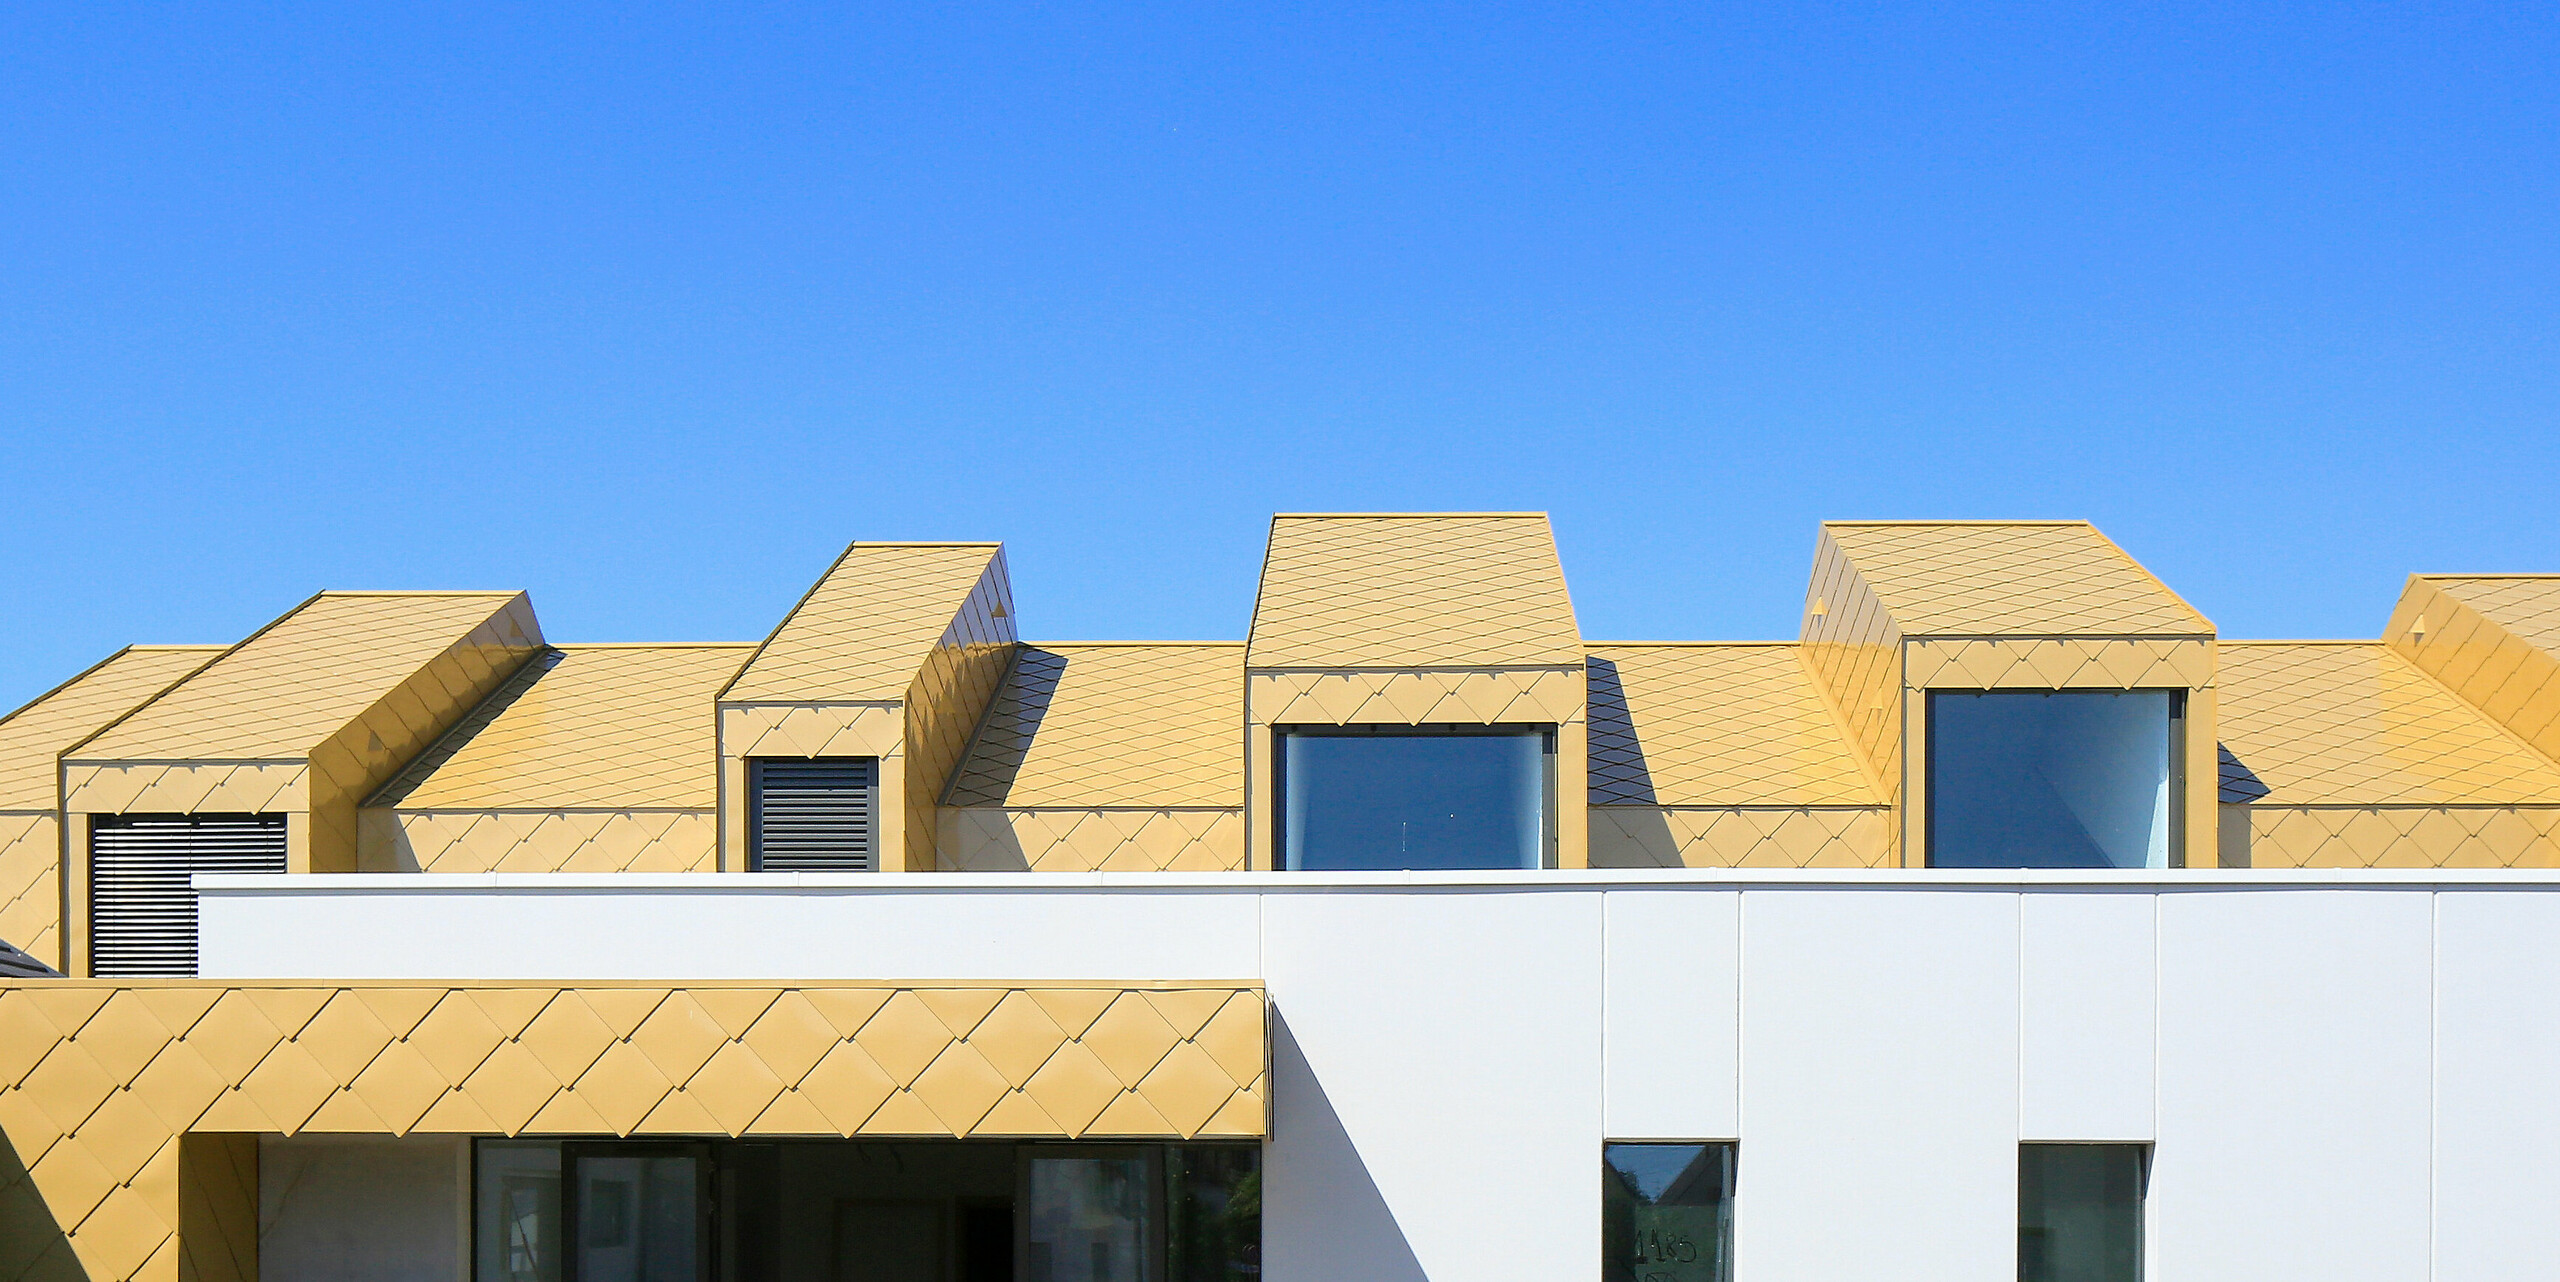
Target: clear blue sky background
x,y
650,309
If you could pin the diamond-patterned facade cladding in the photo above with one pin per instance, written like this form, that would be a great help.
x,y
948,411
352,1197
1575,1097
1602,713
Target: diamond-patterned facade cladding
x,y
811,730
1526,696
110,1093
33,738
1725,725
2010,578
948,699
1417,591
31,884
1023,839
2400,837
1148,725
2353,723
592,841
1741,837
864,632
2068,663
1855,652
179,789
2494,640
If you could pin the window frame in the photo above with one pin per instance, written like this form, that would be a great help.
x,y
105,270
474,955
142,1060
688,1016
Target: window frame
x,y
2177,820
1547,765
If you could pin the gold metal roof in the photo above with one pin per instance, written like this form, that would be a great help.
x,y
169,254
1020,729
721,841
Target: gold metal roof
x,y
2010,578
1715,724
34,737
1421,590
2527,605
863,632
307,675
2351,723
1091,724
618,727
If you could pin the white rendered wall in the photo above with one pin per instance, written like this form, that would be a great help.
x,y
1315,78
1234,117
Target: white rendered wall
x,y
2347,1075
346,1208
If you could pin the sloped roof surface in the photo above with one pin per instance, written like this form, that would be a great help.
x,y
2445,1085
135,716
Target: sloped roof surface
x,y
863,632
1411,591
305,677
1731,724
605,727
2351,723
33,737
2011,578
2527,605
1102,724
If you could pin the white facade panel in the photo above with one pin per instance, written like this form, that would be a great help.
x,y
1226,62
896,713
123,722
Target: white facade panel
x,y
2295,1037
1672,1014
1879,1086
2086,1002
1451,1132
2497,1114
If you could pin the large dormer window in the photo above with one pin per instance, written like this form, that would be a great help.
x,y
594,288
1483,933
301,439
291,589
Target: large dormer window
x,y
1416,797
2054,779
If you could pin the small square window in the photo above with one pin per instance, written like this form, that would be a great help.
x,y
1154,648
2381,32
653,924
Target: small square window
x,y
2059,779
814,814
1416,797
2080,1212
1667,1212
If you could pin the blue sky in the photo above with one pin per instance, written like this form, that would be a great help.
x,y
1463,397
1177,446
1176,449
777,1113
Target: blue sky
x,y
650,309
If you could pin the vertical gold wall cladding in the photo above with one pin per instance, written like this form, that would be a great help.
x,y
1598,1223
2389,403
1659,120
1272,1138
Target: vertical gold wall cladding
x,y
2401,836
1741,836
31,883
1854,650
1100,839
2509,670
128,1111
943,706
589,841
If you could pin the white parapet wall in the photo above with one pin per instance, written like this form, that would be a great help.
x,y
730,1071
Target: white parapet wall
x,y
2346,1075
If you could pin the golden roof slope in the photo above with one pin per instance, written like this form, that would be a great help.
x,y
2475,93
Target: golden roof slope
x,y
306,676
1155,724
610,727
2527,605
1461,590
1714,724
2011,578
34,737
2351,723
863,632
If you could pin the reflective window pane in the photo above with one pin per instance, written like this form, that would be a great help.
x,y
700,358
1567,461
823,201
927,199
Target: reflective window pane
x,y
1413,801
1213,1205
2080,1212
1088,1219
1667,1212
517,1206
638,1219
2029,779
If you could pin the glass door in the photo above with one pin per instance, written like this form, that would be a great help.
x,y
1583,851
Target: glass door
x,y
1090,1214
638,1212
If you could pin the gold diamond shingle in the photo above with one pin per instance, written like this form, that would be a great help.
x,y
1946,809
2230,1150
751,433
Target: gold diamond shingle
x,y
2010,578
864,632
34,736
1153,724
2351,723
1715,725
1420,590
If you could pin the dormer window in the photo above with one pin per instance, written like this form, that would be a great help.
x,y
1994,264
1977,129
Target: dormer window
x,y
1416,797
2054,779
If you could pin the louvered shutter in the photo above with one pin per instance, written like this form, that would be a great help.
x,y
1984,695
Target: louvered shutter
x,y
814,815
142,911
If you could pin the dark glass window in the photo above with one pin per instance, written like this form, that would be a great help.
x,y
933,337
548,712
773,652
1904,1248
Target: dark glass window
x,y
1666,1212
2067,779
1435,797
2080,1212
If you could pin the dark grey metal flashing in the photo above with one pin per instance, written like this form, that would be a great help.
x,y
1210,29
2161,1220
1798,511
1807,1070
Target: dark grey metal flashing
x,y
17,965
